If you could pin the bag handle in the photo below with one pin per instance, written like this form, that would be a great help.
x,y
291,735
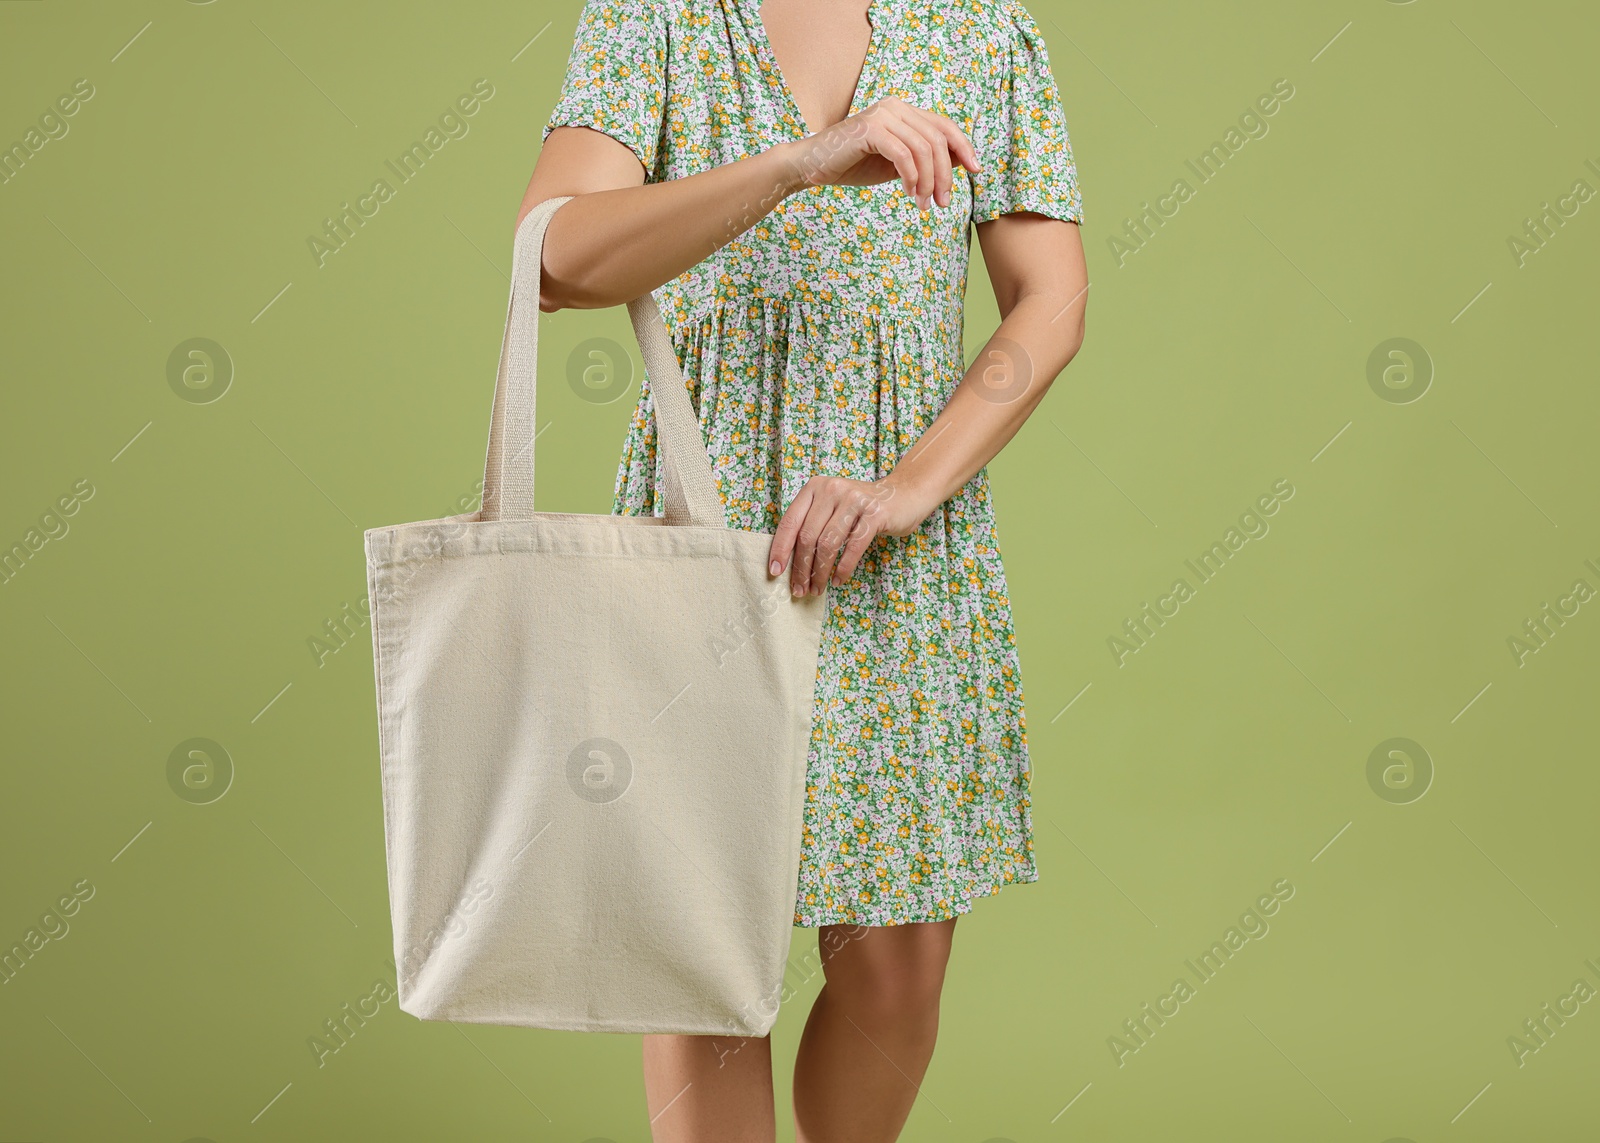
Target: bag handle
x,y
691,489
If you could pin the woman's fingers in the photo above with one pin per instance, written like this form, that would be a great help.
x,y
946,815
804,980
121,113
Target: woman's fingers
x,y
893,144
921,181
943,174
825,532
810,518
902,125
783,540
813,561
923,147
922,132
862,534
846,511
960,146
794,543
831,513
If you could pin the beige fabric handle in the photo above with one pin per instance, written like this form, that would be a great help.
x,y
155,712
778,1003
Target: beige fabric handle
x,y
691,489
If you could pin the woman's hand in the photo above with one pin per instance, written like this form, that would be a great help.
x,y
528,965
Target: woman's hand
x,y
834,512
889,138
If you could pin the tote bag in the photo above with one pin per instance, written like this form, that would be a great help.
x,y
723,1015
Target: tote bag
x,y
593,735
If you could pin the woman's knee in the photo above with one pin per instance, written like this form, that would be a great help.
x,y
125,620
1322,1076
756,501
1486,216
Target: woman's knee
x,y
888,972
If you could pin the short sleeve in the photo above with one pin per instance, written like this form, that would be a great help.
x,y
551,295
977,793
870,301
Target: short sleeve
x,y
1020,130
616,80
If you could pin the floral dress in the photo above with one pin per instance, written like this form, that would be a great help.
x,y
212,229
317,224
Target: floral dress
x,y
824,340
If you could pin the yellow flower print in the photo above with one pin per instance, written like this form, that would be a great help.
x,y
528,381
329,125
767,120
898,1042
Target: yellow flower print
x,y
831,325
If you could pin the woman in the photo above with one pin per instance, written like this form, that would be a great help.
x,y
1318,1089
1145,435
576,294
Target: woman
x,y
737,158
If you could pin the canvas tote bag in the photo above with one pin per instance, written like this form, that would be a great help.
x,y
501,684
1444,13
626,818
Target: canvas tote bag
x,y
593,735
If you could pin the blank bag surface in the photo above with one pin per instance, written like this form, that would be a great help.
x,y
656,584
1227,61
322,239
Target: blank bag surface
x,y
593,735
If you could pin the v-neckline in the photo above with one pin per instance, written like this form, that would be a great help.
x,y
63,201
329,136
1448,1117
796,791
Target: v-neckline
x,y
764,48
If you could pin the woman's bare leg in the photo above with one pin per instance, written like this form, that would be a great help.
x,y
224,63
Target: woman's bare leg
x,y
709,1089
871,1031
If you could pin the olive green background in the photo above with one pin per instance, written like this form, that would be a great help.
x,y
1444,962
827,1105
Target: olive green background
x,y
1435,907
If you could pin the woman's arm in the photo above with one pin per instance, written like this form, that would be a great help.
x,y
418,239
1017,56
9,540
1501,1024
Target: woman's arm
x,y
1041,283
620,238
